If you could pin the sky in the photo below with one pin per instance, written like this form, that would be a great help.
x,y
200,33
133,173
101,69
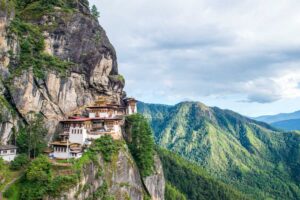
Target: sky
x,y
242,55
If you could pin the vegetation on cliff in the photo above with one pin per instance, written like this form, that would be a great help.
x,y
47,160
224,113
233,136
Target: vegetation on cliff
x,y
32,55
44,178
141,143
253,156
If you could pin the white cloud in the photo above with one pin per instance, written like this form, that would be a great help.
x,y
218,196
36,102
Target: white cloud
x,y
175,49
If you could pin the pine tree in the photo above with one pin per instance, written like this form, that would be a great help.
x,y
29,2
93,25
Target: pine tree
x,y
141,143
95,12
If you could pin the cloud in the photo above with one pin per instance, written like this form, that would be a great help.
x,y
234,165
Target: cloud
x,y
172,50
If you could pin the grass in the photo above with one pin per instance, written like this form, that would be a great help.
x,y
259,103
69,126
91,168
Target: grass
x,y
13,192
8,175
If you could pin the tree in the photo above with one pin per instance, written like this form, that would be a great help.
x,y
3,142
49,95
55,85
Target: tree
x,y
49,3
141,143
38,176
30,139
171,193
39,170
95,12
19,162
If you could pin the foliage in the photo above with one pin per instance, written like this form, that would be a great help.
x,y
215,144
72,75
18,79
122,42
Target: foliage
x,y
19,162
62,183
102,193
253,156
13,192
37,179
95,12
39,170
171,193
30,139
141,143
193,181
5,104
106,146
2,164
31,51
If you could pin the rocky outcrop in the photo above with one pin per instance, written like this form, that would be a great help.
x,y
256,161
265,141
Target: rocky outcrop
x,y
9,120
76,37
155,183
121,176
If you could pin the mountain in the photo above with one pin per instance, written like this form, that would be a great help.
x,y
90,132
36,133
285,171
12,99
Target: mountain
x,y
285,121
261,161
193,181
280,117
56,59
288,125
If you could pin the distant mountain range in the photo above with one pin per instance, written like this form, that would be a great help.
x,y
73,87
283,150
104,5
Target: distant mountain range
x,y
261,161
285,121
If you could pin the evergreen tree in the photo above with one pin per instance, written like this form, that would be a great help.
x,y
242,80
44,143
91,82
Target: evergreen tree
x,y
141,143
95,12
30,139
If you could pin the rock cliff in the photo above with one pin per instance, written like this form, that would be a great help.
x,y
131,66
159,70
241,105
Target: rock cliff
x,y
71,35
119,179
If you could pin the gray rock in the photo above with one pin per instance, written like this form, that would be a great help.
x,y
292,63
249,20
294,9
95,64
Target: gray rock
x,y
155,184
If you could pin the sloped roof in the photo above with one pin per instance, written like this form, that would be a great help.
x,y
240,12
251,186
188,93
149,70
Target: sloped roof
x,y
7,147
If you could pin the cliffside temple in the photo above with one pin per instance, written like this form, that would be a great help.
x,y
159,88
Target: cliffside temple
x,y
104,117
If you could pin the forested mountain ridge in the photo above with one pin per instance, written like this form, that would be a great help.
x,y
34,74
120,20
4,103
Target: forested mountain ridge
x,y
260,160
193,181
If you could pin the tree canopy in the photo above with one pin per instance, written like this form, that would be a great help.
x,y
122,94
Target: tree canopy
x,y
141,143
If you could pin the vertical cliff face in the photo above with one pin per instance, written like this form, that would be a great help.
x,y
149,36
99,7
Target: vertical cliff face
x,y
75,37
9,119
119,180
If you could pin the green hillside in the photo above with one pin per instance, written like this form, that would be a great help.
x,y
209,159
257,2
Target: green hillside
x,y
192,181
260,160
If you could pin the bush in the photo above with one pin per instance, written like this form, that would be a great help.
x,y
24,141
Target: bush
x,y
39,170
141,143
19,162
31,55
61,183
38,176
106,146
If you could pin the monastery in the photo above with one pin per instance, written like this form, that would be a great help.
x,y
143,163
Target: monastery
x,y
103,118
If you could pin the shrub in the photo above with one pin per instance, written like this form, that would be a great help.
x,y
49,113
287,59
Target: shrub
x,y
19,162
106,146
39,170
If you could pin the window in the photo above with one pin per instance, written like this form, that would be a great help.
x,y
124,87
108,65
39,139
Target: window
x,y
12,151
4,152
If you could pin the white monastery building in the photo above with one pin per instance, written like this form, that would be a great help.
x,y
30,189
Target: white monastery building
x,y
8,152
104,118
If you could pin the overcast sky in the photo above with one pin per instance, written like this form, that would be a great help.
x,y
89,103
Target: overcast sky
x,y
243,55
